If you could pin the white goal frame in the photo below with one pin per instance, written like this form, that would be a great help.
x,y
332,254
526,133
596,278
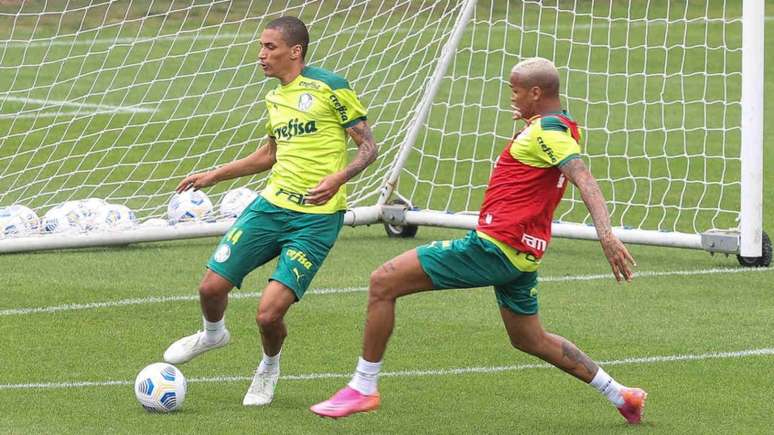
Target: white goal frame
x,y
746,240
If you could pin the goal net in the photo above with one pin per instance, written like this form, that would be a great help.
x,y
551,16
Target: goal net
x,y
121,100
656,90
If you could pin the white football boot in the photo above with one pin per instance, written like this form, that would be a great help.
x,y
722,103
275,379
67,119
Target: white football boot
x,y
261,391
187,348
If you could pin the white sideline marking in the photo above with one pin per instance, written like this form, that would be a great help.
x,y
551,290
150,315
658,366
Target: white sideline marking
x,y
324,291
650,274
249,36
155,300
414,373
59,103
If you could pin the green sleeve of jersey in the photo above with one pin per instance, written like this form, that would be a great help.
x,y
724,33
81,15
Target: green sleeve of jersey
x,y
348,108
556,148
552,123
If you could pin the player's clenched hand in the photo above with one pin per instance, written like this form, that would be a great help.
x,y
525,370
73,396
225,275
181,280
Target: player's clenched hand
x,y
620,260
325,190
196,181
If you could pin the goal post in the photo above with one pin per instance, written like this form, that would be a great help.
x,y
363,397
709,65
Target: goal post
x,y
753,79
120,100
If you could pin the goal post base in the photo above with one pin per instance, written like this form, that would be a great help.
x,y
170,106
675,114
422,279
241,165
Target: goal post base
x,y
725,241
719,241
44,242
113,238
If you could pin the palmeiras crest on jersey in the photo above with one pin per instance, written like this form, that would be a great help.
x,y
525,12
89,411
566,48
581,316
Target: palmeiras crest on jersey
x,y
305,102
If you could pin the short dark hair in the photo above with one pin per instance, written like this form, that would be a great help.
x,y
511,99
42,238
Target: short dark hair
x,y
293,31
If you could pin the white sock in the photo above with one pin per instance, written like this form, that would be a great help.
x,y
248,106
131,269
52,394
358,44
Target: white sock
x,y
366,376
608,387
270,363
213,331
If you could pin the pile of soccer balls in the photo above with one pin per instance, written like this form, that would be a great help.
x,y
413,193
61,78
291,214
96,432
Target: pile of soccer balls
x,y
97,215
91,214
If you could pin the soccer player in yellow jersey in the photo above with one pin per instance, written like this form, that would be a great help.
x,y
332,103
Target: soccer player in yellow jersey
x,y
300,212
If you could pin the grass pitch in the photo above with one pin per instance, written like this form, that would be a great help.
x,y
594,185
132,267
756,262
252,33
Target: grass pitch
x,y
672,323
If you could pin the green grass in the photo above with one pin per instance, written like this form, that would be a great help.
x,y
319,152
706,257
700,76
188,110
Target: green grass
x,y
653,316
207,96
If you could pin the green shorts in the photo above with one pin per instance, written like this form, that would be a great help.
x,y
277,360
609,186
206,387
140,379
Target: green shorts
x,y
264,231
475,262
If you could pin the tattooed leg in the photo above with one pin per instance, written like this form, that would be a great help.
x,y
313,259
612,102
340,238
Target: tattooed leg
x,y
527,334
574,361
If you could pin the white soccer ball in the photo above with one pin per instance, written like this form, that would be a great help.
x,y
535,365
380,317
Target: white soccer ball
x,y
66,218
160,387
91,207
93,204
30,218
11,225
235,201
115,217
191,205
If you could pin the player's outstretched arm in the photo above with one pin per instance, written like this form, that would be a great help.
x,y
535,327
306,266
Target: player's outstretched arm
x,y
615,251
260,160
367,150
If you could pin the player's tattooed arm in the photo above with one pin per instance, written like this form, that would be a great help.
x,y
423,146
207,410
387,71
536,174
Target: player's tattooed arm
x,y
367,150
615,251
271,149
577,172
366,154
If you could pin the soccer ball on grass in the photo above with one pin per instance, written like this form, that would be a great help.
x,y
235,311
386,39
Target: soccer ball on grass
x,y
160,387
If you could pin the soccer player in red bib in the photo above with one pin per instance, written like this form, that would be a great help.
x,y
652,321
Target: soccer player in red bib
x,y
504,251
